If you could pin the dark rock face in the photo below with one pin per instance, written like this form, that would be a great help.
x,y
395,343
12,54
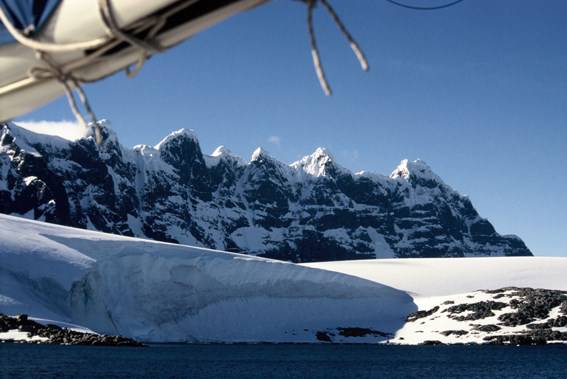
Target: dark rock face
x,y
532,305
323,336
56,335
487,328
454,332
361,332
350,334
421,314
527,316
479,310
535,337
312,210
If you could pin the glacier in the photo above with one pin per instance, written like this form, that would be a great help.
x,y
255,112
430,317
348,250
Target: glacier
x,y
163,292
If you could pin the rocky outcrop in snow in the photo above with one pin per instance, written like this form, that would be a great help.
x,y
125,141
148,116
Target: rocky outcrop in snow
x,y
311,210
515,316
21,329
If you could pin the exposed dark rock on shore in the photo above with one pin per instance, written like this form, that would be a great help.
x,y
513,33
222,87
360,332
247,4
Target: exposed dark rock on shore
x,y
487,328
431,343
332,335
533,304
421,314
361,332
480,310
534,337
56,335
521,316
323,336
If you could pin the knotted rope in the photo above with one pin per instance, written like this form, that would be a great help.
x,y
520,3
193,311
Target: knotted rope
x,y
69,83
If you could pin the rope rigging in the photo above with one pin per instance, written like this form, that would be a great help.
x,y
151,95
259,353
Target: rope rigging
x,y
316,56
146,46
315,50
70,82
149,27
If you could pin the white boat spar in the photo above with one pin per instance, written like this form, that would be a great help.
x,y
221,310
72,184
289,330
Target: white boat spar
x,y
27,82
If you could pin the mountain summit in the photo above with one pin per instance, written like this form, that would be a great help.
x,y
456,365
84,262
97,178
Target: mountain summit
x,y
320,163
311,210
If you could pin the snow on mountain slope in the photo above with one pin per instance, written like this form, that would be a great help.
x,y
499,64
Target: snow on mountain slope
x,y
312,210
164,292
424,278
69,130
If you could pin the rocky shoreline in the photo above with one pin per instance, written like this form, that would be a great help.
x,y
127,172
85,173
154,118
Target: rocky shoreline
x,y
55,335
505,316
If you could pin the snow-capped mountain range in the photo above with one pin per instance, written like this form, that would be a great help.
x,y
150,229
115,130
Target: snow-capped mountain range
x,y
311,210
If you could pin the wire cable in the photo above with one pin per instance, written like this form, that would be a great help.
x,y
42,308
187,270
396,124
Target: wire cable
x,y
422,8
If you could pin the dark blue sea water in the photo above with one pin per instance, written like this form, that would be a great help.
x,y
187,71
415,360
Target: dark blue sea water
x,y
282,361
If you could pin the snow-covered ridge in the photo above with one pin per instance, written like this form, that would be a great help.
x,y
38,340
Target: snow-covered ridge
x,y
416,169
312,164
259,153
221,153
221,150
319,164
188,133
311,210
68,130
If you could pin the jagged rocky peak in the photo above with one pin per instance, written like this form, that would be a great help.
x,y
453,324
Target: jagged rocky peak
x,y
320,163
104,126
5,135
407,168
181,150
260,155
182,134
222,152
146,150
416,172
263,165
313,210
108,147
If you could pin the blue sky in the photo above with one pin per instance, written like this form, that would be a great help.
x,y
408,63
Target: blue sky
x,y
479,91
